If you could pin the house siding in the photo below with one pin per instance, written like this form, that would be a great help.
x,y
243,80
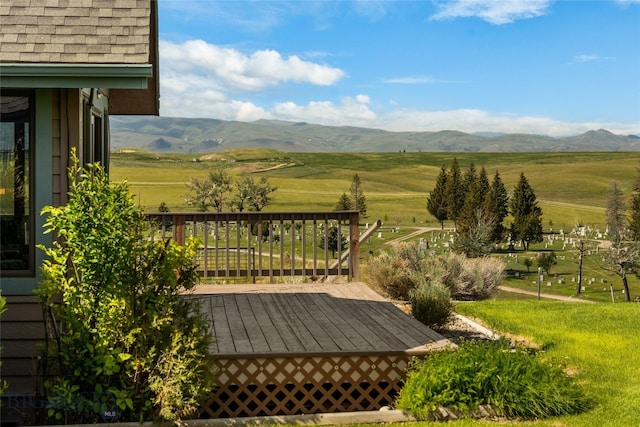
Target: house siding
x,y
21,332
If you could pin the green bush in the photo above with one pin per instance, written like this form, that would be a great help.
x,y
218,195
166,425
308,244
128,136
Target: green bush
x,y
468,279
513,382
390,275
431,304
546,260
122,336
397,272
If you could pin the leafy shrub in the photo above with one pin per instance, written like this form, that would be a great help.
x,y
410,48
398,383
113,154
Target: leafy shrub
x,y
431,304
546,260
514,382
122,337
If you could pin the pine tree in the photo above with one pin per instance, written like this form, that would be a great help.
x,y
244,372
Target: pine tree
x,y
527,215
470,177
477,188
344,203
454,192
357,196
497,206
437,201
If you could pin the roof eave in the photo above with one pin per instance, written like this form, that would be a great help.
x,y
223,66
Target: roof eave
x,y
54,75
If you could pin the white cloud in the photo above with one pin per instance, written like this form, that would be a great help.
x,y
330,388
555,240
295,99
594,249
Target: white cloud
x,y
496,12
228,67
356,111
591,58
473,120
205,80
372,9
409,80
352,111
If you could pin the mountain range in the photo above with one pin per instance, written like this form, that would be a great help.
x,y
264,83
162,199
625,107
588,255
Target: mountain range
x,y
187,135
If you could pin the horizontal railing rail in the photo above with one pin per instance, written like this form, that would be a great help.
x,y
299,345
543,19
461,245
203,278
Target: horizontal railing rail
x,y
267,244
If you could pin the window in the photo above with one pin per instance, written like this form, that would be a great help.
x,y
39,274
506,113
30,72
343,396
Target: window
x,y
94,148
16,178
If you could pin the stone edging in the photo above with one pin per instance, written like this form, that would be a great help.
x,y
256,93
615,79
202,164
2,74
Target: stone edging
x,y
365,417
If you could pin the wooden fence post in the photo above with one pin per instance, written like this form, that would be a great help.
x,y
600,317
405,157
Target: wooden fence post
x,y
178,229
354,246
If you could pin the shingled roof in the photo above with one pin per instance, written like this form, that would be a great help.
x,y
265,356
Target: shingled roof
x,y
75,31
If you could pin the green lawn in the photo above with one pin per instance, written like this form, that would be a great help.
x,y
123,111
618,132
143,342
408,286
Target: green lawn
x,y
597,343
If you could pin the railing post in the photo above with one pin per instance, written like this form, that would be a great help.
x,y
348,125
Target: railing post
x,y
178,229
354,246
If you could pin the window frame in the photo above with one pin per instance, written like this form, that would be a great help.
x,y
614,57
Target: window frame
x,y
31,271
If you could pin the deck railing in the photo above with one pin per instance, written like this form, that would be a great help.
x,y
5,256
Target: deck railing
x,y
250,245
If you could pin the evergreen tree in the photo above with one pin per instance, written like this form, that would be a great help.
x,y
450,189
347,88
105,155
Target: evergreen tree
x,y
477,188
437,201
527,215
454,192
344,203
357,196
497,206
331,238
470,177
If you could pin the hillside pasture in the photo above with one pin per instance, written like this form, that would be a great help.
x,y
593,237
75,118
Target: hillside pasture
x,y
571,187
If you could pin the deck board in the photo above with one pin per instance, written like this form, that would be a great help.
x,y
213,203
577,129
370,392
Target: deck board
x,y
284,319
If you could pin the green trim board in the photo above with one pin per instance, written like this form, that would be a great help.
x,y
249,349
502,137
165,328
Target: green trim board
x,y
115,76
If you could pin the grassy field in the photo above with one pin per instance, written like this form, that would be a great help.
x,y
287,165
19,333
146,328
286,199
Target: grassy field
x,y
571,189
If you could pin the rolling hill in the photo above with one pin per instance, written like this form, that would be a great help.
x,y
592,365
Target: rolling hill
x,y
186,135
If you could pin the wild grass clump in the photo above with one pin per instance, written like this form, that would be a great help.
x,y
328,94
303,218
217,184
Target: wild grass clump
x,y
513,382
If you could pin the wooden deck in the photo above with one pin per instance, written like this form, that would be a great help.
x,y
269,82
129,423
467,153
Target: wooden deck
x,y
286,349
310,319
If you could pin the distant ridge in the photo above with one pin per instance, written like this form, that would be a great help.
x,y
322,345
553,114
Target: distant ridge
x,y
184,135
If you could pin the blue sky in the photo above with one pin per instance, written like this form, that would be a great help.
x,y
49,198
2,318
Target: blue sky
x,y
528,66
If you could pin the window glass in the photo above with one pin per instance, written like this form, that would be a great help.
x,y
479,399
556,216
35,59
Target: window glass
x,y
16,228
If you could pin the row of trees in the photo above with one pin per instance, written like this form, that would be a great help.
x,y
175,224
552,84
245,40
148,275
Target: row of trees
x,y
478,208
218,191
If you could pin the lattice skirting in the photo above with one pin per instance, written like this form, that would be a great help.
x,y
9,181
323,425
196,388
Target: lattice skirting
x,y
305,385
